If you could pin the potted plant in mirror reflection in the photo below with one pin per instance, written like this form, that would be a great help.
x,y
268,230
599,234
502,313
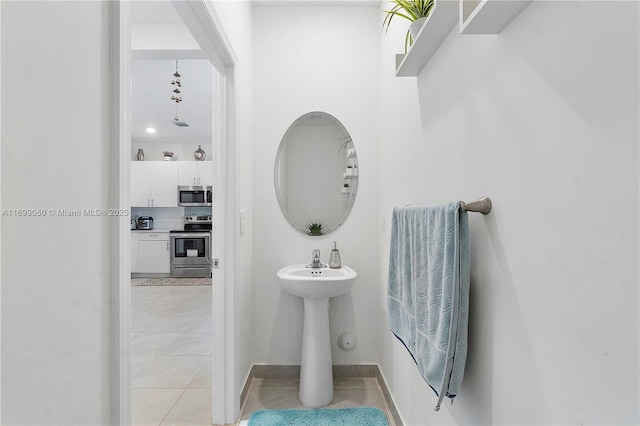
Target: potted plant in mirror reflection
x,y
168,155
315,229
346,140
416,11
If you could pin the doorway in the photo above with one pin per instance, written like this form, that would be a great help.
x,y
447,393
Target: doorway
x,y
199,19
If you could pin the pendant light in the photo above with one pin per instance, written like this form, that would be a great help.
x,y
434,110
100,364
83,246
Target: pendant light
x,y
177,96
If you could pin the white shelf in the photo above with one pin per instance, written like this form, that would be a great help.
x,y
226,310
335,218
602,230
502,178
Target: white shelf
x,y
488,16
474,16
438,25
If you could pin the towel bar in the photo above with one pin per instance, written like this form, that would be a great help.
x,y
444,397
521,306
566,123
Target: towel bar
x,y
483,205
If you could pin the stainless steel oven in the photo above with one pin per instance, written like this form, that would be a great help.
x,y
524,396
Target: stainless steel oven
x,y
191,248
190,253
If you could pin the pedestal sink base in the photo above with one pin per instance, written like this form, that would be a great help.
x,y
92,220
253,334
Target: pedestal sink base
x,y
316,369
316,286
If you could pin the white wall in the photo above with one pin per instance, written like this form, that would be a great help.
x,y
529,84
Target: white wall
x,y
55,270
314,58
544,120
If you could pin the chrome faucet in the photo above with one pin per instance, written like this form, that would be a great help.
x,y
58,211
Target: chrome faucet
x,y
315,262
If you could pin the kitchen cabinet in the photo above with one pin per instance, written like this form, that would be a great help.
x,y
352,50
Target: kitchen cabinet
x,y
195,173
154,184
153,252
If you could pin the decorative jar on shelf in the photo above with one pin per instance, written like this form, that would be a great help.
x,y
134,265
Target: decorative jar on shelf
x,y
199,154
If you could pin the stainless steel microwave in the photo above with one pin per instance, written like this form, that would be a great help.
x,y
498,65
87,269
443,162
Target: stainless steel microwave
x,y
195,196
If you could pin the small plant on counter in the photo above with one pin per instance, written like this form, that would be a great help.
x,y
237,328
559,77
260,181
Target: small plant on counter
x,y
167,153
408,9
315,229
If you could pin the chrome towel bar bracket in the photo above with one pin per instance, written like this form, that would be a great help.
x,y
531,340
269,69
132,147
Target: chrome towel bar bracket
x,y
483,205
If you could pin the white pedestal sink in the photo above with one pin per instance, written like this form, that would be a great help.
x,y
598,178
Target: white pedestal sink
x,y
316,286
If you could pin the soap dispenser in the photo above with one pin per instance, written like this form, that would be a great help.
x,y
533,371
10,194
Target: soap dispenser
x,y
334,257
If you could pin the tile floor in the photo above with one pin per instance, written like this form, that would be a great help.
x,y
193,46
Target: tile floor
x,y
171,344
171,341
283,393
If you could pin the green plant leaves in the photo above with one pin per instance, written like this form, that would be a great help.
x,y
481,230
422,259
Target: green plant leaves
x,y
411,10
408,9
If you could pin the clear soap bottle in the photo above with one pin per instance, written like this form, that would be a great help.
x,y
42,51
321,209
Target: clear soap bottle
x,y
334,257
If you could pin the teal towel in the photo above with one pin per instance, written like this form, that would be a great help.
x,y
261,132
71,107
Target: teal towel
x,y
428,294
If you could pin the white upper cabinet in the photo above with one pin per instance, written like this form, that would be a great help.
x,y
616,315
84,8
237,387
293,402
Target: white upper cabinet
x,y
195,173
205,172
154,184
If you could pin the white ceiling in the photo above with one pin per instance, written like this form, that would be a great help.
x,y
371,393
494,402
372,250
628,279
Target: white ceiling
x,y
151,89
151,104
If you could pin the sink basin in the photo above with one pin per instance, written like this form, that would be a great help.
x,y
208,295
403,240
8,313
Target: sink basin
x,y
316,286
301,281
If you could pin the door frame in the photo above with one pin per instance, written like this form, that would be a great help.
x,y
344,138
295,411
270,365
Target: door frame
x,y
202,21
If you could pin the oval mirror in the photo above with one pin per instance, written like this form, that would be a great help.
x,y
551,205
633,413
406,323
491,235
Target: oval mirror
x,y
316,174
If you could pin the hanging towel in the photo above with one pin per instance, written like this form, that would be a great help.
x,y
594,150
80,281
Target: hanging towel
x,y
428,294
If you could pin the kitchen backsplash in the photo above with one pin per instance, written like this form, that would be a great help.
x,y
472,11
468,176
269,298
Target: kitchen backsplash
x,y
170,213
197,211
169,218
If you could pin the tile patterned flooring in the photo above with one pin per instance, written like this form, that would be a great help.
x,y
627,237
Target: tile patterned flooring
x,y
171,342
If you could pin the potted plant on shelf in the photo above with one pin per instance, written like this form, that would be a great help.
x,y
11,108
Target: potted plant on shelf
x,y
415,11
168,155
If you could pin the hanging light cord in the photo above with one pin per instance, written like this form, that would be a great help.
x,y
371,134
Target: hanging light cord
x,y
176,91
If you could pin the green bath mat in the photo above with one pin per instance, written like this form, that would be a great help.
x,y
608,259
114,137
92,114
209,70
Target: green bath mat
x,y
360,416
